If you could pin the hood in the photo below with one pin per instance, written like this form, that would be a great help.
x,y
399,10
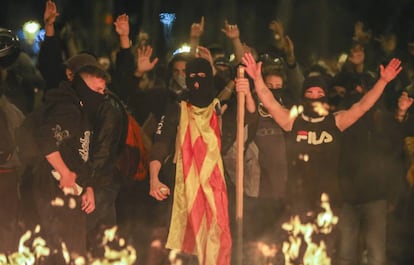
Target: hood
x,y
64,93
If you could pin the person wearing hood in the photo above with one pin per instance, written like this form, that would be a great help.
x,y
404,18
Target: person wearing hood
x,y
314,134
199,221
63,186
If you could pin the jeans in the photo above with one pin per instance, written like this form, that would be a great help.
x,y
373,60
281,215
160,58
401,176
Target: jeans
x,y
363,223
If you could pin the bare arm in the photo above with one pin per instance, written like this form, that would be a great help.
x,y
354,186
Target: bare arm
x,y
158,190
122,28
49,18
232,32
196,31
68,177
280,114
346,118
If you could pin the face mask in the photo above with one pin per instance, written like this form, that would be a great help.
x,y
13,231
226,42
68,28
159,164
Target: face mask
x,y
278,94
177,85
200,83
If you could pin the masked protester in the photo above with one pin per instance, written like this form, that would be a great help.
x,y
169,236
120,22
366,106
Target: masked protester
x,y
200,189
266,188
314,135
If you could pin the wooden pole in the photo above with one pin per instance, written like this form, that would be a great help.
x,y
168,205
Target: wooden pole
x,y
239,170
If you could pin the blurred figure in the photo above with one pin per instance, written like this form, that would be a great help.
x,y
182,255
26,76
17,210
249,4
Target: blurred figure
x,y
10,167
371,174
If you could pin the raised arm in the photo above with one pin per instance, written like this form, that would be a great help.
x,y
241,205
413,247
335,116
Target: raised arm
x,y
122,28
280,114
144,62
196,31
233,34
49,18
346,118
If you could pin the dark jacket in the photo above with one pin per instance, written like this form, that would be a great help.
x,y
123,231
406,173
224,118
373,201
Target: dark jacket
x,y
110,128
63,127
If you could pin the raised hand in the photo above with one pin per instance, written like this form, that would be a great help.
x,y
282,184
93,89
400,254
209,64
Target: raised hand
x,y
197,29
253,69
122,25
144,63
277,28
389,72
51,13
231,31
404,102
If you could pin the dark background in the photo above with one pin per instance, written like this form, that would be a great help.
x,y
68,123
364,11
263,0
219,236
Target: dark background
x,y
317,27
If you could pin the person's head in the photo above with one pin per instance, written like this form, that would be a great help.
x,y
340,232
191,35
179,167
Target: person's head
x,y
176,73
9,52
88,68
225,72
200,82
314,87
315,91
9,48
357,53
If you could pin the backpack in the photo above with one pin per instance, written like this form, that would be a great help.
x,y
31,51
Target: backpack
x,y
132,163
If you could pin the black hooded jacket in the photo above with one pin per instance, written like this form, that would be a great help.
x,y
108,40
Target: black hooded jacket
x,y
63,127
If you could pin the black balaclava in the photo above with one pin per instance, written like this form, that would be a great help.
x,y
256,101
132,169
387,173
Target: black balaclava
x,y
200,82
309,103
91,100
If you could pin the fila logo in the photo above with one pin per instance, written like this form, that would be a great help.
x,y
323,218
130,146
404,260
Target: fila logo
x,y
312,138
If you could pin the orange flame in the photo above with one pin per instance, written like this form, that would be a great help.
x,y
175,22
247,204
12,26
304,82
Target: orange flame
x,y
314,254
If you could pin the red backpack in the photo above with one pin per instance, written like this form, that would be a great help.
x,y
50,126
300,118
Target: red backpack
x,y
133,160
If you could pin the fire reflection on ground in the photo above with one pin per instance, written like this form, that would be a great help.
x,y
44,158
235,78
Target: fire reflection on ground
x,y
33,248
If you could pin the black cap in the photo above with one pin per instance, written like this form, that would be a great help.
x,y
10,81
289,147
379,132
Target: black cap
x,y
315,81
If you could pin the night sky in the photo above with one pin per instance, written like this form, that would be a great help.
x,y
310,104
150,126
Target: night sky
x,y
315,26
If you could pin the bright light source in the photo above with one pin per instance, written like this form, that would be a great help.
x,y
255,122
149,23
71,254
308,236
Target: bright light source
x,y
30,30
31,27
182,49
167,18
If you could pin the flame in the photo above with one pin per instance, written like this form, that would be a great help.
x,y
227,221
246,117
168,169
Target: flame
x,y
314,254
30,254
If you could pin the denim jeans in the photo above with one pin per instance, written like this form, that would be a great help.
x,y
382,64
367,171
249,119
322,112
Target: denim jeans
x,y
363,223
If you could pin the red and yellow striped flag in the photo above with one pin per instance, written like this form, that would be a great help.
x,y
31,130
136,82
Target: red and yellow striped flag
x,y
200,220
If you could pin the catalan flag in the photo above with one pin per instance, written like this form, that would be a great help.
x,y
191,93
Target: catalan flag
x,y
200,220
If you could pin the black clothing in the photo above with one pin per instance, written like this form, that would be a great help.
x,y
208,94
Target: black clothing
x,y
50,62
64,127
371,161
313,153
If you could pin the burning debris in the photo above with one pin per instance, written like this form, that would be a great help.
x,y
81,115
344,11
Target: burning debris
x,y
33,248
309,253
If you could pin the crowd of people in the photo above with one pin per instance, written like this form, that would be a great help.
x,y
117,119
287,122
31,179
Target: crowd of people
x,y
344,129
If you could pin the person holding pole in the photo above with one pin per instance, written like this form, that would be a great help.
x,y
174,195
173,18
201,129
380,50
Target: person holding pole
x,y
199,221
